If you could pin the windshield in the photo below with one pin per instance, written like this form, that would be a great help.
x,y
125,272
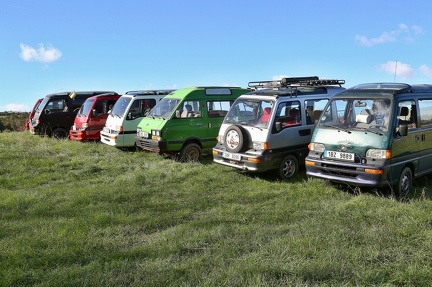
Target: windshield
x,y
254,112
85,108
120,106
164,108
370,114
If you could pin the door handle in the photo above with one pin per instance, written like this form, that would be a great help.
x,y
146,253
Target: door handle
x,y
199,124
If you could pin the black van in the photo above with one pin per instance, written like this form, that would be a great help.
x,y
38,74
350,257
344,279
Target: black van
x,y
56,113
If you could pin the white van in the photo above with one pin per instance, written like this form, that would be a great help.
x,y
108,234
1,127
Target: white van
x,y
121,125
271,127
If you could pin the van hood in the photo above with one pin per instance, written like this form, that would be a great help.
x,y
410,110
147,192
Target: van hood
x,y
114,122
80,119
353,141
148,124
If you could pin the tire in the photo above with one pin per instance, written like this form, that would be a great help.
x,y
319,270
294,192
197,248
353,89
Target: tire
x,y
288,167
234,139
190,152
59,133
404,185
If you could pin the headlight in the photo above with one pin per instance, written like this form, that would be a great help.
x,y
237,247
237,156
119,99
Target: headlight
x,y
316,147
84,126
378,154
139,130
156,135
260,145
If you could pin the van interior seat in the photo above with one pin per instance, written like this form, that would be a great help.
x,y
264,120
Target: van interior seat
x,y
187,112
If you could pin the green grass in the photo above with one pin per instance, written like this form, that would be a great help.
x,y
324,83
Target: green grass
x,y
87,214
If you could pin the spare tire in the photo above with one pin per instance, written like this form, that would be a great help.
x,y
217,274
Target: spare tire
x,y
235,139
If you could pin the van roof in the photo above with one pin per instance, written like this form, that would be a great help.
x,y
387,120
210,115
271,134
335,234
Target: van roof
x,y
390,88
62,94
210,91
149,92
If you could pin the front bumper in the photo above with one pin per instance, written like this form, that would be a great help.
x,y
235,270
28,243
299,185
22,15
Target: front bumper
x,y
349,173
151,145
255,162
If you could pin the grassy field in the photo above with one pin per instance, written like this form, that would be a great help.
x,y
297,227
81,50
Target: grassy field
x,y
87,214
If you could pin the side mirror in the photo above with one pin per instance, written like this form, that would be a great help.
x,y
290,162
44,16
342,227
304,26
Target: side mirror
x,y
129,116
47,112
278,126
94,113
178,114
403,130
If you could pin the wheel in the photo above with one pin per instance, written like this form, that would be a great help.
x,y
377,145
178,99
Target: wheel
x,y
235,140
288,167
59,133
404,184
190,152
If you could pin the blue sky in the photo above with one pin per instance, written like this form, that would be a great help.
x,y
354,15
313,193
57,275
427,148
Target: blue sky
x,y
49,46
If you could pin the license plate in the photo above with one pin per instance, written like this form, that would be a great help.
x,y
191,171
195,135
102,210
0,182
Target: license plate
x,y
234,156
339,155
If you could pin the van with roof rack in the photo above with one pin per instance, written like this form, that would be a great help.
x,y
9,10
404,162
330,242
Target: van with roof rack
x,y
92,116
374,135
270,128
55,115
186,121
121,124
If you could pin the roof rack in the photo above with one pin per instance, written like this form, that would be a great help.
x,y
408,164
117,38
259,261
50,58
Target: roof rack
x,y
295,82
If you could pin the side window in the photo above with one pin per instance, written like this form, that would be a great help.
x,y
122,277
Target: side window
x,y
313,110
56,106
147,105
407,114
216,109
425,107
288,114
99,108
190,109
135,110
109,105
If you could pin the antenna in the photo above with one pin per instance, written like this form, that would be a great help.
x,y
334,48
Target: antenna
x,y
394,79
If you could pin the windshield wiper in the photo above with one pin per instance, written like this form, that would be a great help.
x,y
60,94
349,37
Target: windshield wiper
x,y
338,128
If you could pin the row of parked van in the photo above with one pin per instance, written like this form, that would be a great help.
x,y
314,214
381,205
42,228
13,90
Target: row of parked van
x,y
369,135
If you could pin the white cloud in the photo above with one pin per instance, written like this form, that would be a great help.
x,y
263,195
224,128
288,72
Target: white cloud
x,y
41,54
426,70
15,108
402,31
402,70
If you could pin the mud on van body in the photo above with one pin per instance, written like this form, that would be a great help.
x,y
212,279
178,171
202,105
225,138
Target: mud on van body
x,y
92,116
270,128
374,135
121,124
56,113
187,121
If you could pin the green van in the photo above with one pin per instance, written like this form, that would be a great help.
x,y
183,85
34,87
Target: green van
x,y
374,135
186,121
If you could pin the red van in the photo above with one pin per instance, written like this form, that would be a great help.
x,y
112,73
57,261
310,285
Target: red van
x,y
30,117
92,116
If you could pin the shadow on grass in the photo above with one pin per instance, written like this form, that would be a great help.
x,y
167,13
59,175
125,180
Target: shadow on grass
x,y
421,190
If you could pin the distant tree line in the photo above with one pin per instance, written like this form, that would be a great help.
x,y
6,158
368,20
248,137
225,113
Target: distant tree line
x,y
13,121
